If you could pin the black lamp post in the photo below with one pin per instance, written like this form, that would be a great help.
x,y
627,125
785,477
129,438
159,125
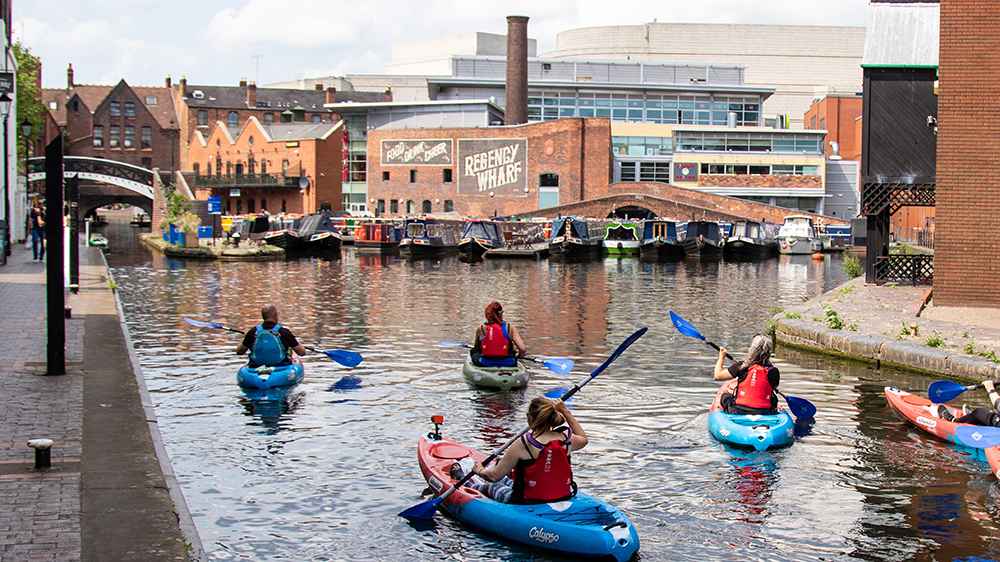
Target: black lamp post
x,y
5,103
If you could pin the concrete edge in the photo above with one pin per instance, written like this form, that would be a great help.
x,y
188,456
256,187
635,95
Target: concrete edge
x,y
881,351
184,519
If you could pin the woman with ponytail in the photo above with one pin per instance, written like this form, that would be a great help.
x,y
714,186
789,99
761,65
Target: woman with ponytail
x,y
536,468
497,343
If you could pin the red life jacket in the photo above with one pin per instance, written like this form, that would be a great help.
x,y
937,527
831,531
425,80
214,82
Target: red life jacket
x,y
755,390
547,478
496,341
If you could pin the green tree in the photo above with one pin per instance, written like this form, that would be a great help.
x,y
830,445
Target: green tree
x,y
29,97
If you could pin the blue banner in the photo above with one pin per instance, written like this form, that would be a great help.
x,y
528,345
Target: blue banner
x,y
214,205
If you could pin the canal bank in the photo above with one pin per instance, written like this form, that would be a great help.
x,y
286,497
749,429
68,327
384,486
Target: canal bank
x,y
895,326
214,250
110,493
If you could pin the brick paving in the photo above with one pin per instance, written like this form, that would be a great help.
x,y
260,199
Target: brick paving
x,y
64,513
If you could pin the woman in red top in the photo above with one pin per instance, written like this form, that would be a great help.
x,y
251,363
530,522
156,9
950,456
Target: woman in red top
x,y
758,380
497,343
538,461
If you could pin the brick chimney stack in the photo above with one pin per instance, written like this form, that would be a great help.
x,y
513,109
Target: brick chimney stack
x,y
516,90
331,94
168,81
69,76
183,85
243,82
251,95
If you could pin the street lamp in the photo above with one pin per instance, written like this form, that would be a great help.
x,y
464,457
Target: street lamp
x,y
5,103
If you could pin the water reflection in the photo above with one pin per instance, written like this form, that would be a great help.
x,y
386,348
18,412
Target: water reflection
x,y
322,477
271,406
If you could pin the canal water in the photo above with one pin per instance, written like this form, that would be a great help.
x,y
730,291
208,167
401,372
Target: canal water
x,y
319,473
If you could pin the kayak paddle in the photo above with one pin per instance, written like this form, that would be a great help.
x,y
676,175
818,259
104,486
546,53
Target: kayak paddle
x,y
978,436
558,365
944,391
800,407
427,509
345,358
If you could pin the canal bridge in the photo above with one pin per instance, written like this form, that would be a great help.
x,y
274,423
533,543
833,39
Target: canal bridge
x,y
117,182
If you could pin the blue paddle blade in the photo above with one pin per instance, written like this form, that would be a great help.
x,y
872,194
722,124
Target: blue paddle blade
x,y
944,391
800,407
453,344
424,510
685,327
345,358
559,392
201,324
978,436
558,365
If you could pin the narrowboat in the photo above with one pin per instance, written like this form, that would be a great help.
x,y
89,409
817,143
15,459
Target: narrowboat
x,y
320,233
751,240
621,238
429,237
573,239
797,235
834,237
480,236
661,239
704,239
378,236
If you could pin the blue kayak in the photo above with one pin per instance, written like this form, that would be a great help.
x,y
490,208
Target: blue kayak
x,y
269,377
580,527
760,432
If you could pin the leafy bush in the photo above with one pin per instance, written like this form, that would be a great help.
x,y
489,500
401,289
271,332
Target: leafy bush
x,y
851,266
935,340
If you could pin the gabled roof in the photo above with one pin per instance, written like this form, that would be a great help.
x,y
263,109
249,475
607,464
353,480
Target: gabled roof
x,y
91,96
164,109
235,97
902,35
277,132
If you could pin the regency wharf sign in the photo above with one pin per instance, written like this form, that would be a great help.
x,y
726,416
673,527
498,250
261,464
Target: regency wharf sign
x,y
493,165
427,152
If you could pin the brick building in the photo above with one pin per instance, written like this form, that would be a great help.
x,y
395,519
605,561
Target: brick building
x,y
966,263
488,171
132,124
839,116
201,107
277,167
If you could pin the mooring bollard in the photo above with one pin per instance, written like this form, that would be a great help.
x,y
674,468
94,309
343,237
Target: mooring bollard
x,y
42,447
68,313
74,288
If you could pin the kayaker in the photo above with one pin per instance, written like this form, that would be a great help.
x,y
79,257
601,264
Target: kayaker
x,y
978,416
536,468
269,343
758,380
497,343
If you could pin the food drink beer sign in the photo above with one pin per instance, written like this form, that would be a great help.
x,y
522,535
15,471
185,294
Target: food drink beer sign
x,y
426,152
493,166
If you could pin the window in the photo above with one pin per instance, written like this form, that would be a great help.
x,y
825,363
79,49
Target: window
x,y
116,109
385,175
250,165
202,117
263,167
147,162
381,207
150,100
76,106
268,118
250,205
195,167
239,207
316,118
129,109
449,205
393,206
263,204
283,206
129,136
116,134
98,136
239,168
548,180
218,168
413,176
286,117
654,172
446,175
234,119
147,137
426,206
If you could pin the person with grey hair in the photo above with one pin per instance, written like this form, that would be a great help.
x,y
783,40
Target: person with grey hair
x,y
756,391
270,343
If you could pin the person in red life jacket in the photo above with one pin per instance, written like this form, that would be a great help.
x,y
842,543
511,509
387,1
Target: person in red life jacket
x,y
756,391
270,343
497,343
536,467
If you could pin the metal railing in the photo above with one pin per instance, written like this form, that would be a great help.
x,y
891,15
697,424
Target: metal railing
x,y
917,269
246,180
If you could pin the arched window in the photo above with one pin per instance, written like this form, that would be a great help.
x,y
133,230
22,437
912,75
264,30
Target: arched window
x,y
239,168
426,206
410,207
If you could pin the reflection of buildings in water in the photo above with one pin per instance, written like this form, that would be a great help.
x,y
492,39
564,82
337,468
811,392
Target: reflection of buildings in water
x,y
271,405
498,415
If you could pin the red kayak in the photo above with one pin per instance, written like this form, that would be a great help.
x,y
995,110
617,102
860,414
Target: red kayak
x,y
923,414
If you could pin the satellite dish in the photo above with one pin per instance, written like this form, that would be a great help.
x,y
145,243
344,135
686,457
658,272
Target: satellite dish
x,y
303,182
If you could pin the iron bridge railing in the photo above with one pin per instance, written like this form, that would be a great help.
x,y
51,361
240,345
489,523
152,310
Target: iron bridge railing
x,y
917,269
246,180
97,166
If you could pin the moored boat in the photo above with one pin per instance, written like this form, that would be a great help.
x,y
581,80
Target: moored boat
x,y
751,240
378,236
580,527
621,238
760,432
661,239
269,377
319,233
429,237
480,236
703,239
797,235
285,238
573,239
502,378
921,413
834,237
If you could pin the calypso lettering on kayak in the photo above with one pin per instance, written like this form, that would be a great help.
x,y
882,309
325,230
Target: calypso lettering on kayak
x,y
542,536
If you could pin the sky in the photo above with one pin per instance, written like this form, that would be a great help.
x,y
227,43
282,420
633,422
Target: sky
x,y
217,42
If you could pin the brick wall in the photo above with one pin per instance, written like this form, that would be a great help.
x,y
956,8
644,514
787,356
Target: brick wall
x,y
968,184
